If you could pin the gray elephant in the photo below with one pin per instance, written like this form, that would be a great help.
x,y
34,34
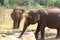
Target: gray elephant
x,y
46,17
17,16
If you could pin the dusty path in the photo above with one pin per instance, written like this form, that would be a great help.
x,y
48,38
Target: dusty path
x,y
30,36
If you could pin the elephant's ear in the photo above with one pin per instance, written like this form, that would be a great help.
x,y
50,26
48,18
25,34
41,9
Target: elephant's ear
x,y
22,10
14,9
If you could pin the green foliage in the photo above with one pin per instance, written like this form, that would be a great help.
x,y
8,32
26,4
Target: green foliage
x,y
15,3
0,8
13,31
9,31
51,2
3,31
37,5
16,30
30,3
14,6
47,2
6,3
30,6
57,3
2,2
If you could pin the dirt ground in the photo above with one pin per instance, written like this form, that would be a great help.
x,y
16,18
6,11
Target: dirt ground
x,y
26,37
50,34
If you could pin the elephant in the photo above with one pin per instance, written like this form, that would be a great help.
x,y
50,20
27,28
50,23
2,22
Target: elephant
x,y
17,15
45,17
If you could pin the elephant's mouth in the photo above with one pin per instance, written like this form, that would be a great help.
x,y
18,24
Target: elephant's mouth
x,y
35,21
32,22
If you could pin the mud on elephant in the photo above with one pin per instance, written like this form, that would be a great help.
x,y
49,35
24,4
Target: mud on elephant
x,y
45,18
17,16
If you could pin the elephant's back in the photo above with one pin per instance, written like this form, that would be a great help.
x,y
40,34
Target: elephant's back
x,y
53,18
54,10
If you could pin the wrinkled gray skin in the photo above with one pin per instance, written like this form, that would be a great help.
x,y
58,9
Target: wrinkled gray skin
x,y
17,16
45,18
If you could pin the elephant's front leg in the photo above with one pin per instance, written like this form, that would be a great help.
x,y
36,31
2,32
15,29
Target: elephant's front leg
x,y
37,31
42,33
26,24
58,33
42,29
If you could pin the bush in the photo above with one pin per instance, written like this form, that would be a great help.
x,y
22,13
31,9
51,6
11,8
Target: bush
x,y
38,6
57,3
0,7
29,6
14,5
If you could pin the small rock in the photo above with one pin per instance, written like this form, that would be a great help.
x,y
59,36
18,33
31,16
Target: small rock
x,y
11,37
16,34
3,35
28,37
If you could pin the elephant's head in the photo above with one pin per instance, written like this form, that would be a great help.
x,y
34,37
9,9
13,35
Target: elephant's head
x,y
17,16
33,16
19,11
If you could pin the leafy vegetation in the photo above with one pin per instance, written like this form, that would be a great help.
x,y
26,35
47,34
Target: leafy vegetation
x,y
57,4
29,3
14,3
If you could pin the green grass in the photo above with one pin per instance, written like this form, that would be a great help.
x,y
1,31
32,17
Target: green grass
x,y
12,31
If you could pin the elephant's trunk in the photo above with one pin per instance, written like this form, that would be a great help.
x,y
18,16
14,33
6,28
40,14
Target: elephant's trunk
x,y
26,24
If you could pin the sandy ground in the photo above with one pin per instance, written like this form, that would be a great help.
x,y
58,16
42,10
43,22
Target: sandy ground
x,y
49,35
25,37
